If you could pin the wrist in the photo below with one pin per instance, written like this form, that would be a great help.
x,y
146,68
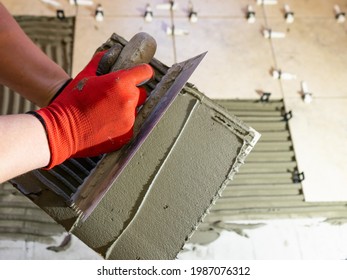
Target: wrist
x,y
62,131
24,146
59,91
54,91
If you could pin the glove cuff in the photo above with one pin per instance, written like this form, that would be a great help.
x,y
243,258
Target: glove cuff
x,y
53,160
38,116
58,150
60,90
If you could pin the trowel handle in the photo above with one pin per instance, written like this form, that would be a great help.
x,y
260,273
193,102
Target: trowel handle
x,y
140,49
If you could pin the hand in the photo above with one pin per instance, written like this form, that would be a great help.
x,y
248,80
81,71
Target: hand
x,y
94,114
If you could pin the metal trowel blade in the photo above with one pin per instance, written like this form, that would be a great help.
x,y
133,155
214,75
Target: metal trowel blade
x,y
86,198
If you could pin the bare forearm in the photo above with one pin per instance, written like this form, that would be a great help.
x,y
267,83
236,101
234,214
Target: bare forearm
x,y
23,145
24,67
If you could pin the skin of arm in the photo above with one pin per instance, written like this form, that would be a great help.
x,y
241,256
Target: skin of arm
x,y
24,67
76,123
23,146
28,71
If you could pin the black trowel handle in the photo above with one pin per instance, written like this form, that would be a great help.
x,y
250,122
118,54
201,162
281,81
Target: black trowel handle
x,y
140,49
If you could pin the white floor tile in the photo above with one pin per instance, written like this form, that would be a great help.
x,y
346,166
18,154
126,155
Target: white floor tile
x,y
318,130
238,61
314,50
92,34
306,8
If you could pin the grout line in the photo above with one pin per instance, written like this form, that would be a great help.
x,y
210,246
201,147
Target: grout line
x,y
273,51
289,127
321,97
173,34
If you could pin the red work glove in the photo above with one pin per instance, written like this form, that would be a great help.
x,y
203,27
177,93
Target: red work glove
x,y
94,114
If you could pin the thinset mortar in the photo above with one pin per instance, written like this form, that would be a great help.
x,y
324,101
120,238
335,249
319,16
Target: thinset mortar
x,y
166,189
189,157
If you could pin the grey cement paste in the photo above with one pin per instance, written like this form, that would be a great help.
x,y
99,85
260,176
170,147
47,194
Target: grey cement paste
x,y
164,192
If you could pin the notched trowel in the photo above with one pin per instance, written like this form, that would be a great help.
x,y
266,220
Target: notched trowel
x,y
89,194
145,200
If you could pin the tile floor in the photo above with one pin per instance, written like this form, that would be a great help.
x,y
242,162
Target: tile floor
x,y
239,65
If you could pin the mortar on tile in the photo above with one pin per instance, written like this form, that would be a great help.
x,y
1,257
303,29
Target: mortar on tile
x,y
147,214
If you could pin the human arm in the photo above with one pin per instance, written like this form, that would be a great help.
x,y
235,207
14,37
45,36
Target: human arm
x,y
23,145
92,115
24,67
27,70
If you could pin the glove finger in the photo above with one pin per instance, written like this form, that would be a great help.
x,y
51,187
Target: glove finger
x,y
108,59
90,69
109,145
136,75
142,96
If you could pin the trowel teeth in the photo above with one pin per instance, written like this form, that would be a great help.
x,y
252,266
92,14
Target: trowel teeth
x,y
78,211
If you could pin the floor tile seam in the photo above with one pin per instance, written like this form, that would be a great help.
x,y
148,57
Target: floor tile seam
x,y
227,18
273,52
294,141
243,18
318,97
329,18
